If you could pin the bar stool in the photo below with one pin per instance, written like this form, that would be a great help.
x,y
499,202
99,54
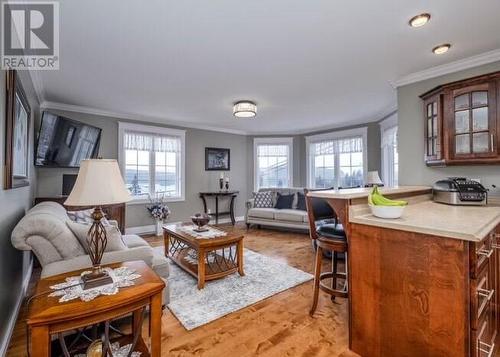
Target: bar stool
x,y
328,235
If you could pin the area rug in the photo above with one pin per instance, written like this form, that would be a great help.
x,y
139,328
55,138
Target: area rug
x,y
264,277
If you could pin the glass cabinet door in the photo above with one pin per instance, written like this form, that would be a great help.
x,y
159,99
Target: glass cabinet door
x,y
432,129
473,134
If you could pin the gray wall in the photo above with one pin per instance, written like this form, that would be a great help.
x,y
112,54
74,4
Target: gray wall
x,y
412,169
14,264
299,152
197,179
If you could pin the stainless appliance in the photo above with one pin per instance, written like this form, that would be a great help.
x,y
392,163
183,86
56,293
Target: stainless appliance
x,y
459,191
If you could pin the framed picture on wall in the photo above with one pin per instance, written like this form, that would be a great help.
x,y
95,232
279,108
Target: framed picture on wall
x,y
18,113
217,159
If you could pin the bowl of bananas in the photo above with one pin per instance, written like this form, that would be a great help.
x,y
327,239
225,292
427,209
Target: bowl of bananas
x,y
384,207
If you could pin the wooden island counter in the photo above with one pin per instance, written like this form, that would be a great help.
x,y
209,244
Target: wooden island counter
x,y
424,284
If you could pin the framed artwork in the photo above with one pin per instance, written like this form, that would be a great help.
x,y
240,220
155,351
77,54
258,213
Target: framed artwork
x,y
217,159
18,113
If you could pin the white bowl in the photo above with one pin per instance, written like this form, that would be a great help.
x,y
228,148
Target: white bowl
x,y
387,211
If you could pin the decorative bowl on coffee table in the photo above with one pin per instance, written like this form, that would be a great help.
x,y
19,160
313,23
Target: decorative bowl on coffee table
x,y
201,220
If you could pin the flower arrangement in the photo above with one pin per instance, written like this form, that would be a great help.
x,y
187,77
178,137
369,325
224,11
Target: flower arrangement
x,y
158,208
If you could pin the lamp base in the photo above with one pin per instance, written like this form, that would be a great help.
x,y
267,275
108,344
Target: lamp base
x,y
95,279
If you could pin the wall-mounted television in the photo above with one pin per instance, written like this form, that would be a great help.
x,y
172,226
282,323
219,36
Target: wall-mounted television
x,y
64,142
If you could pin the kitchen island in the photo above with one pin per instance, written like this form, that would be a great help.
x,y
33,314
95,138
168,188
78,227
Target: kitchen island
x,y
424,284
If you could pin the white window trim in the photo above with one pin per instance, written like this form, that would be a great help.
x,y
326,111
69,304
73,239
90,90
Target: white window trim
x,y
335,135
386,124
273,141
122,127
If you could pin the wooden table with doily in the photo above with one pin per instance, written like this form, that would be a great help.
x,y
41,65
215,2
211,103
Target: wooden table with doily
x,y
48,316
206,256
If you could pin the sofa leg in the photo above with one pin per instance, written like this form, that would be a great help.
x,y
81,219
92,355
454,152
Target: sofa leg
x,y
258,226
248,225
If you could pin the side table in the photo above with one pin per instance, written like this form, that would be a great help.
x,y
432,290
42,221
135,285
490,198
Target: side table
x,y
47,316
217,195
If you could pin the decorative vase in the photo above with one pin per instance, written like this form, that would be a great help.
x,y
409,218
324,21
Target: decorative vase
x,y
227,185
221,183
159,227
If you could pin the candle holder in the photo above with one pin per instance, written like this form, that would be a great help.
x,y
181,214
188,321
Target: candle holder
x,y
227,185
221,183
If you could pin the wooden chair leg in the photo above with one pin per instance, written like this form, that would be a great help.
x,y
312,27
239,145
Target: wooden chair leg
x,y
317,273
334,271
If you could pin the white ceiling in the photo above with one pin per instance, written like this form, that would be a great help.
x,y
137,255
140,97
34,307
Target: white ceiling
x,y
308,64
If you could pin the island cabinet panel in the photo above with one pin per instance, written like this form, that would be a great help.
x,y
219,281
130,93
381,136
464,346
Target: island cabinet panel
x,y
415,294
462,122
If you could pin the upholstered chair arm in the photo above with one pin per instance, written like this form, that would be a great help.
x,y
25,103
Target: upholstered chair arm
x,y
47,236
250,203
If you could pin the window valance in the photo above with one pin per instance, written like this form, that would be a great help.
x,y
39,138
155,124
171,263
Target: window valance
x,y
151,142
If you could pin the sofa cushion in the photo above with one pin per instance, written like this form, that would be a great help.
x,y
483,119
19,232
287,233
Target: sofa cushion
x,y
284,201
267,213
263,199
133,240
160,264
113,235
291,215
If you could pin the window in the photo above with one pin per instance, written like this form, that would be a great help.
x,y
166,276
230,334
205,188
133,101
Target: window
x,y
389,147
390,156
152,161
273,162
336,159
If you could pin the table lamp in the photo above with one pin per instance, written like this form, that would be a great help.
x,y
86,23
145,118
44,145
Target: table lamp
x,y
99,182
372,179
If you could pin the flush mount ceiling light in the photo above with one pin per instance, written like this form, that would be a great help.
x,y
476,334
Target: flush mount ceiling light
x,y
439,50
419,20
245,109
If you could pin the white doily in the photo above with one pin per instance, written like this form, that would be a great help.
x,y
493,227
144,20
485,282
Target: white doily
x,y
72,288
211,233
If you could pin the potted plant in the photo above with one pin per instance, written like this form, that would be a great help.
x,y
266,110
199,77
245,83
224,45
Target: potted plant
x,y
159,210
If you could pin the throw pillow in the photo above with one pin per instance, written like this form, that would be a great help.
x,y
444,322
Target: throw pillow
x,y
263,199
113,235
85,216
301,201
284,201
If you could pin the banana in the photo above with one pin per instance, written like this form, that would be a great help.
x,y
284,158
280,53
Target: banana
x,y
377,199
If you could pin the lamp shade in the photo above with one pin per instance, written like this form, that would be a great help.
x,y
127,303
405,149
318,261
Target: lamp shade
x,y
99,182
372,178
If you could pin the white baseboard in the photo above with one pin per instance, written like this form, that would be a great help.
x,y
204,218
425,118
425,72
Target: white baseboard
x,y
152,228
13,318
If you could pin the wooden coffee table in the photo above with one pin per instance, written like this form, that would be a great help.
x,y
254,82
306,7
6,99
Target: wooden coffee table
x,y
204,258
47,316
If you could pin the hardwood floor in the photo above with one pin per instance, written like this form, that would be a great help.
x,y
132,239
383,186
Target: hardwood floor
x,y
277,326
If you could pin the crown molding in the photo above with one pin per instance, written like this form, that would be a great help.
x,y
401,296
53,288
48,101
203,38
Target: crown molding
x,y
132,116
455,66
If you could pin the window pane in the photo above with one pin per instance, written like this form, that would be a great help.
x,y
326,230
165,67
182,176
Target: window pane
x,y
462,145
480,142
480,119
171,158
479,98
345,159
357,159
272,166
462,102
159,158
143,157
130,157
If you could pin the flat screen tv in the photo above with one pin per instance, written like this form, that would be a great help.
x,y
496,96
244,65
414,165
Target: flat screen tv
x,y
63,142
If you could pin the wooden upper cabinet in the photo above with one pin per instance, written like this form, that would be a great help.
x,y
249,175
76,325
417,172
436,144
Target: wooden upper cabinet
x,y
461,121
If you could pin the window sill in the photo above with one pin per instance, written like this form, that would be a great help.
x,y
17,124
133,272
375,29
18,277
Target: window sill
x,y
143,201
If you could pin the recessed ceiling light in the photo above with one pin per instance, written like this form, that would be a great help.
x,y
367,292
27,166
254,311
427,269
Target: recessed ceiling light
x,y
439,50
245,109
419,20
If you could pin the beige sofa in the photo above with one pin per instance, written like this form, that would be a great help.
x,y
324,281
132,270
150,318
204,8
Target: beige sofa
x,y
272,217
44,231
